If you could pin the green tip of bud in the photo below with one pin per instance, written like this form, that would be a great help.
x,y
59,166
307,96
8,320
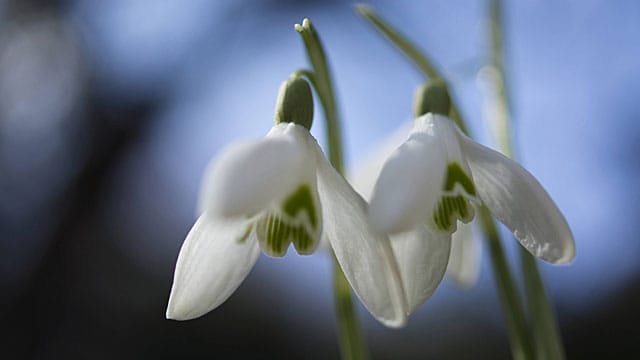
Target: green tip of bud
x,y
432,97
295,103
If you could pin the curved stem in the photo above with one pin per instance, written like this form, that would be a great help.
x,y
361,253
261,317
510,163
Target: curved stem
x,y
350,338
521,347
323,84
512,307
422,61
351,342
543,319
548,340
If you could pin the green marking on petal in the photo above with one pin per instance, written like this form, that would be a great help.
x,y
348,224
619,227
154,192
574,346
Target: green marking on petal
x,y
272,234
245,234
449,210
275,234
455,174
301,200
303,241
278,228
453,207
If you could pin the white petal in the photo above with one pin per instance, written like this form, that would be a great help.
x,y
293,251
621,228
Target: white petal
x,y
422,255
464,262
249,176
445,130
364,177
214,259
518,200
365,257
409,185
298,218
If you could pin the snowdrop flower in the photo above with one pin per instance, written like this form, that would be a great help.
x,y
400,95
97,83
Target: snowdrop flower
x,y
424,255
265,195
427,176
438,174
463,265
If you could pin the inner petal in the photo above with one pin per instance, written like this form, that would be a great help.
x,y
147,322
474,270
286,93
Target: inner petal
x,y
454,204
296,220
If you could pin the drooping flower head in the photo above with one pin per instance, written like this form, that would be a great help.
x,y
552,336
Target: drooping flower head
x,y
438,174
271,193
421,253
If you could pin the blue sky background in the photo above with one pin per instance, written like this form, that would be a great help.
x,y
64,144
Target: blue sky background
x,y
208,74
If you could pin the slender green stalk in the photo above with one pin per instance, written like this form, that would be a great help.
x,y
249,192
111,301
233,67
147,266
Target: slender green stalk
x,y
521,347
543,318
502,117
422,62
512,307
351,341
548,341
323,84
418,57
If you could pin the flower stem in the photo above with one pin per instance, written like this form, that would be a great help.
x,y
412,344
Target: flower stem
x,y
323,84
422,61
351,343
548,342
510,299
350,339
543,318
521,347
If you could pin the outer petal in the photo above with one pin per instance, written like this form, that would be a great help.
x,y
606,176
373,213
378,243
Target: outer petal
x,y
518,200
464,262
366,174
247,177
215,257
445,130
422,256
365,257
409,185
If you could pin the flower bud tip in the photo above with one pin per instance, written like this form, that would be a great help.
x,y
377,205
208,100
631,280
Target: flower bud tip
x,y
295,102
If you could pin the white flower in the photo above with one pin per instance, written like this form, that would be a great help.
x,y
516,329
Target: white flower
x,y
436,174
429,254
433,180
421,254
264,195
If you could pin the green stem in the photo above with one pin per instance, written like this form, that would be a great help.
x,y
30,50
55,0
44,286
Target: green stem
x,y
422,62
350,339
502,117
548,341
323,84
351,343
418,57
521,347
543,319
512,307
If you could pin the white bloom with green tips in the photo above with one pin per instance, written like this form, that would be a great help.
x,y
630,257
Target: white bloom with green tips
x,y
426,254
432,181
271,193
437,175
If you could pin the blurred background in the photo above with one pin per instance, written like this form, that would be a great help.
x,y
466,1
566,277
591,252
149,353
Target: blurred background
x,y
110,111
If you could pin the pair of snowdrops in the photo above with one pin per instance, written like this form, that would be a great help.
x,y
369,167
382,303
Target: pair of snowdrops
x,y
267,194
